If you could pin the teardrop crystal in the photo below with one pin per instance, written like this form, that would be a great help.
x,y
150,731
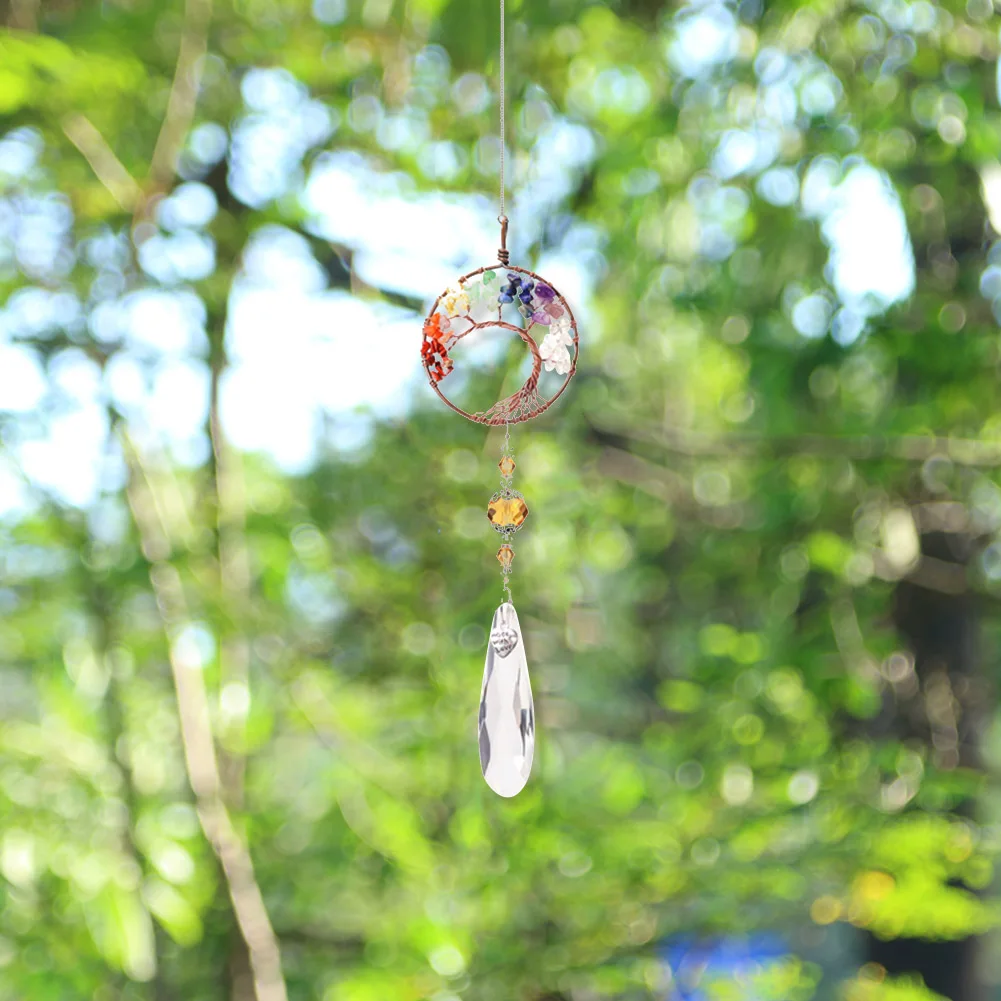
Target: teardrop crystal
x,y
507,712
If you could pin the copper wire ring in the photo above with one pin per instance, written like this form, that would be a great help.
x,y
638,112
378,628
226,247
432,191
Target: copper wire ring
x,y
528,390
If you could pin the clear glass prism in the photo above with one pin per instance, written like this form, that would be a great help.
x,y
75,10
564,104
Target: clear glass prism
x,y
507,712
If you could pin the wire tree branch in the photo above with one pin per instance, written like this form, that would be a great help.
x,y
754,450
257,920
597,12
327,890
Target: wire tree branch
x,y
200,758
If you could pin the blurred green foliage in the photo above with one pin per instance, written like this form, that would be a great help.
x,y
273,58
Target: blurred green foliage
x,y
737,730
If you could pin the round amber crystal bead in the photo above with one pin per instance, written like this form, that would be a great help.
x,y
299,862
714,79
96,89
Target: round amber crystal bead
x,y
505,556
507,511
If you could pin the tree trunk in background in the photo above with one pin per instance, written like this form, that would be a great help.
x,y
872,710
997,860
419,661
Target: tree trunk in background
x,y
944,703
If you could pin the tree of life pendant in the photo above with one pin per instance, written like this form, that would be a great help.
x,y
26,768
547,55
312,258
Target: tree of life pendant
x,y
489,299
516,301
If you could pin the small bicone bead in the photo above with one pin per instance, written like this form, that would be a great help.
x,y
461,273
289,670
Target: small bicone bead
x,y
506,465
505,556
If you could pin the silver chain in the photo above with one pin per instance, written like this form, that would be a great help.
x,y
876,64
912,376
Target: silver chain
x,y
506,482
503,102
506,450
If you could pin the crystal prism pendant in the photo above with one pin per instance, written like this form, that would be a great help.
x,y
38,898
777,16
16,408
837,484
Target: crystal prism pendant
x,y
507,712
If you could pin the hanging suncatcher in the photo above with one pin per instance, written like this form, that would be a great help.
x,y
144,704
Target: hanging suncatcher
x,y
490,298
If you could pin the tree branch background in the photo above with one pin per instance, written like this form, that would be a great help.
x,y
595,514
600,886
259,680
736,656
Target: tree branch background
x,y
245,562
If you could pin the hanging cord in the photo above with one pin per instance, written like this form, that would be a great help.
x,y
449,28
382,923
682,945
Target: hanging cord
x,y
502,254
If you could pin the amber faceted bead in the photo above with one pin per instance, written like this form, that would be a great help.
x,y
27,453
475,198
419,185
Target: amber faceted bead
x,y
506,465
507,513
505,556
